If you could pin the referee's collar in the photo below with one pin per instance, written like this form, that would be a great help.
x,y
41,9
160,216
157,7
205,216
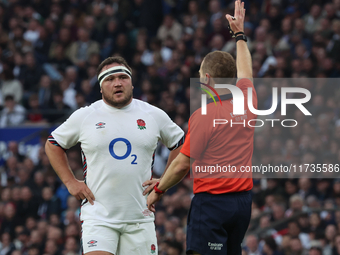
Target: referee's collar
x,y
223,98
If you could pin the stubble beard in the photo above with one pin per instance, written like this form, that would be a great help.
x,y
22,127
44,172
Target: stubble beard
x,y
109,99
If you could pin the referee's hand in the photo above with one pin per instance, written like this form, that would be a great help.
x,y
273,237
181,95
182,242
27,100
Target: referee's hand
x,y
80,191
236,23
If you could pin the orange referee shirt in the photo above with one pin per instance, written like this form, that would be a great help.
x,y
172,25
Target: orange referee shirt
x,y
226,146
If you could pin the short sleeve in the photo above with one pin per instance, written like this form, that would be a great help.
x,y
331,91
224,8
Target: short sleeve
x,y
171,134
68,133
186,146
244,84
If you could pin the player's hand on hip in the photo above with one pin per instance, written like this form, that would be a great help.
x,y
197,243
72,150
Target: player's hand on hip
x,y
80,191
150,184
153,198
236,22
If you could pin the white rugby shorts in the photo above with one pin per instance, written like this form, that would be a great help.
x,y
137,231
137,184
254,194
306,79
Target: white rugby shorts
x,y
119,239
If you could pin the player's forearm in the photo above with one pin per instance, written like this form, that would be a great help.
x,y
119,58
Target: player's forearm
x,y
173,154
179,168
59,162
243,60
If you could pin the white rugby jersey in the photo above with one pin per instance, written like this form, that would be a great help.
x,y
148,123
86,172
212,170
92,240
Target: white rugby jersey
x,y
118,148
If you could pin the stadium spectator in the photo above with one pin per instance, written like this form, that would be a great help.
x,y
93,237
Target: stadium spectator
x,y
60,62
6,244
68,86
42,45
50,204
122,47
64,40
45,92
51,247
10,85
10,220
296,247
170,27
34,115
252,245
30,75
71,246
13,114
59,110
13,151
34,250
270,247
312,19
294,231
32,33
27,206
316,250
278,210
81,50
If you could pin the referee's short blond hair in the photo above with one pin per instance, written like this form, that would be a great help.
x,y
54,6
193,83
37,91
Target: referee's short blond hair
x,y
219,64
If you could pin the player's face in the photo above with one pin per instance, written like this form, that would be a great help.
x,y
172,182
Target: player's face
x,y
117,88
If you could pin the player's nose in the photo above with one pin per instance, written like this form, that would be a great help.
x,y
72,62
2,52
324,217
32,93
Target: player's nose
x,y
117,83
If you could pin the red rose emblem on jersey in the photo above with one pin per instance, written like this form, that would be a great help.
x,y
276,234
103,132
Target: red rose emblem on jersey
x,y
153,248
141,124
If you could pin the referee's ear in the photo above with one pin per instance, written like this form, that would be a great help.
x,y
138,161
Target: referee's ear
x,y
207,77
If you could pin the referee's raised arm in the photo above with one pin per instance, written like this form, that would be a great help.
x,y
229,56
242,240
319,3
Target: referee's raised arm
x,y
243,57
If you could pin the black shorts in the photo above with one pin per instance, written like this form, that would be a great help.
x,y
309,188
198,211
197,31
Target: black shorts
x,y
217,223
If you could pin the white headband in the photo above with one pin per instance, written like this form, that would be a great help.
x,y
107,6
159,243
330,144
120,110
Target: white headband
x,y
113,70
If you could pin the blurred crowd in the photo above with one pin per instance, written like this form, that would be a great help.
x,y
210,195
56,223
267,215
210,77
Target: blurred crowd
x,y
49,53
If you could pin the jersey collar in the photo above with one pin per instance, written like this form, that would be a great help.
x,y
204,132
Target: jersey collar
x,y
111,108
223,98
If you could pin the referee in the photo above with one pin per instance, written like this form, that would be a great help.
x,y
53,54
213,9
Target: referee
x,y
221,208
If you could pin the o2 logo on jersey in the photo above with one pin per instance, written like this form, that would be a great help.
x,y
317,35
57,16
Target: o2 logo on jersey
x,y
128,151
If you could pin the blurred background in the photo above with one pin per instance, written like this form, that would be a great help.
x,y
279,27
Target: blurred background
x,y
49,53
